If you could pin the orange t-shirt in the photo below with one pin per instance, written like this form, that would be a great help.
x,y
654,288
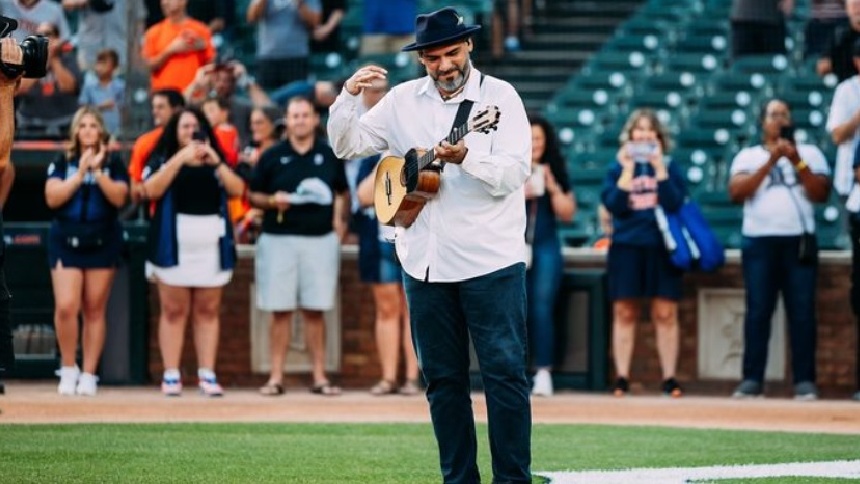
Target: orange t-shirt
x,y
140,153
228,139
179,70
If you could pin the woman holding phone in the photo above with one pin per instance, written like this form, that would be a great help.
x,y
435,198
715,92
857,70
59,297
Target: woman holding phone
x,y
86,185
191,247
549,197
778,181
638,263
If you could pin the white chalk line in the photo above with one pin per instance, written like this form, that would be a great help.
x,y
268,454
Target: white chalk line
x,y
681,475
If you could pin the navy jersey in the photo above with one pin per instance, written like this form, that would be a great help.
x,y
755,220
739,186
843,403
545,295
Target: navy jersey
x,y
633,218
89,203
312,179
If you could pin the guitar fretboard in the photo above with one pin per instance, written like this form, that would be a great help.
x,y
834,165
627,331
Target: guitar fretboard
x,y
456,135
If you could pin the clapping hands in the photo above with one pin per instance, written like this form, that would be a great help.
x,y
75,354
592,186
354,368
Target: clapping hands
x,y
93,157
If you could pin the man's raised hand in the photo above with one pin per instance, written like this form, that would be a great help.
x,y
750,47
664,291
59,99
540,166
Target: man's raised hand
x,y
364,77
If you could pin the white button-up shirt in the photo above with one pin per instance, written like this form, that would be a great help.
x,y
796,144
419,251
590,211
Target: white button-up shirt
x,y
846,102
476,223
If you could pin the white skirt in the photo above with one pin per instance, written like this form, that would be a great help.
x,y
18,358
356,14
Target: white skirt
x,y
199,254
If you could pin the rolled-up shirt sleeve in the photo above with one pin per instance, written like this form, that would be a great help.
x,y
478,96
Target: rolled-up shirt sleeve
x,y
505,169
353,137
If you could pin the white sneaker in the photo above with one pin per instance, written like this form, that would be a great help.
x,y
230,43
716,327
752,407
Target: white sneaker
x,y
87,385
68,379
542,385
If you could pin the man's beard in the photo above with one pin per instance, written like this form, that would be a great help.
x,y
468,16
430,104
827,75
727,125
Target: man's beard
x,y
456,83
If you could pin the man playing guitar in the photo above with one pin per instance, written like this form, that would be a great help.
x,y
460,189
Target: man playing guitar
x,y
463,255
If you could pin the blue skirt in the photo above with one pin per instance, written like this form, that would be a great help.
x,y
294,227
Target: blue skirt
x,y
636,272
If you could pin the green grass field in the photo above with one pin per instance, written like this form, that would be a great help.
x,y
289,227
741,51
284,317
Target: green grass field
x,y
378,453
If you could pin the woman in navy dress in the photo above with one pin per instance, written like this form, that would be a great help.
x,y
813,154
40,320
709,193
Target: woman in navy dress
x,y
638,264
85,187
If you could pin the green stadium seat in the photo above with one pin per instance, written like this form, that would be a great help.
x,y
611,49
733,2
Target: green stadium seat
x,y
709,24
697,64
647,44
727,100
641,27
754,83
716,45
677,81
620,83
619,62
761,64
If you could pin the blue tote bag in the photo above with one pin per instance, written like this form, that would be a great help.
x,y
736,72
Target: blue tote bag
x,y
689,239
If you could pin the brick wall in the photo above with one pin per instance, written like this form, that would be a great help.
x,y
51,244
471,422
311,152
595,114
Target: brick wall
x,y
360,368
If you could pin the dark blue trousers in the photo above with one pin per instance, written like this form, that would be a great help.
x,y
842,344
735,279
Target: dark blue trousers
x,y
543,281
492,310
770,267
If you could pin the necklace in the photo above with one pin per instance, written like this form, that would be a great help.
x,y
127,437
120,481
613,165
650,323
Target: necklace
x,y
448,97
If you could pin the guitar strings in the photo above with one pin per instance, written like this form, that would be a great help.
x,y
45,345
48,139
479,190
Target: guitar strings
x,y
428,157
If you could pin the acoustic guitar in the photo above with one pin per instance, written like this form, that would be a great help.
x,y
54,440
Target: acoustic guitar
x,y
404,185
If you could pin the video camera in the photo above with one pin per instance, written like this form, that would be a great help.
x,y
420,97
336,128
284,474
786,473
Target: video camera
x,y
34,48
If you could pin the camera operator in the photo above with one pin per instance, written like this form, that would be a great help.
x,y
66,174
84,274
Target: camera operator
x,y
48,103
10,54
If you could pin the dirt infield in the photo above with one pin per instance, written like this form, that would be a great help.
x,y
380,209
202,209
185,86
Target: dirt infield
x,y
39,403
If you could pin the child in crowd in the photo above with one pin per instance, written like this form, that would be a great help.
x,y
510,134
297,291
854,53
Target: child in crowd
x,y
104,91
217,112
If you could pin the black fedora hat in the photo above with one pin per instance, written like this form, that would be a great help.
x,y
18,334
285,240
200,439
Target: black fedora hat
x,y
439,28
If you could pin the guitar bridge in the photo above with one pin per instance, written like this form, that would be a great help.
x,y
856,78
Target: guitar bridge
x,y
388,187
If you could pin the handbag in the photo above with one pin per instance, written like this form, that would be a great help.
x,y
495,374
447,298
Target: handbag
x,y
807,248
689,239
83,236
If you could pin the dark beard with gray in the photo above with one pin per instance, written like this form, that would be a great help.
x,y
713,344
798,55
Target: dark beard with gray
x,y
456,83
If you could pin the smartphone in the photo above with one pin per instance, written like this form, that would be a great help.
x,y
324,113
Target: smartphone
x,y
198,136
787,132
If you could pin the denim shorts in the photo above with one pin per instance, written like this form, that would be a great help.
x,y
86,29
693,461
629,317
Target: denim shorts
x,y
381,266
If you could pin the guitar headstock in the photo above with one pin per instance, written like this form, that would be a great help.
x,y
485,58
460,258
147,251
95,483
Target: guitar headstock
x,y
486,120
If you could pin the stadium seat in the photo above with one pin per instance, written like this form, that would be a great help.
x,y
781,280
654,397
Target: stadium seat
x,y
697,64
756,83
674,81
621,83
716,45
727,100
647,44
641,27
635,61
710,23
761,64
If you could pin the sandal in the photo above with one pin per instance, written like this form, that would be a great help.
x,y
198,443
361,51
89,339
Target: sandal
x,y
272,389
384,387
410,388
325,388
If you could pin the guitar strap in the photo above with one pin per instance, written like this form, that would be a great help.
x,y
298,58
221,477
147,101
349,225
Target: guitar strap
x,y
460,118
464,109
